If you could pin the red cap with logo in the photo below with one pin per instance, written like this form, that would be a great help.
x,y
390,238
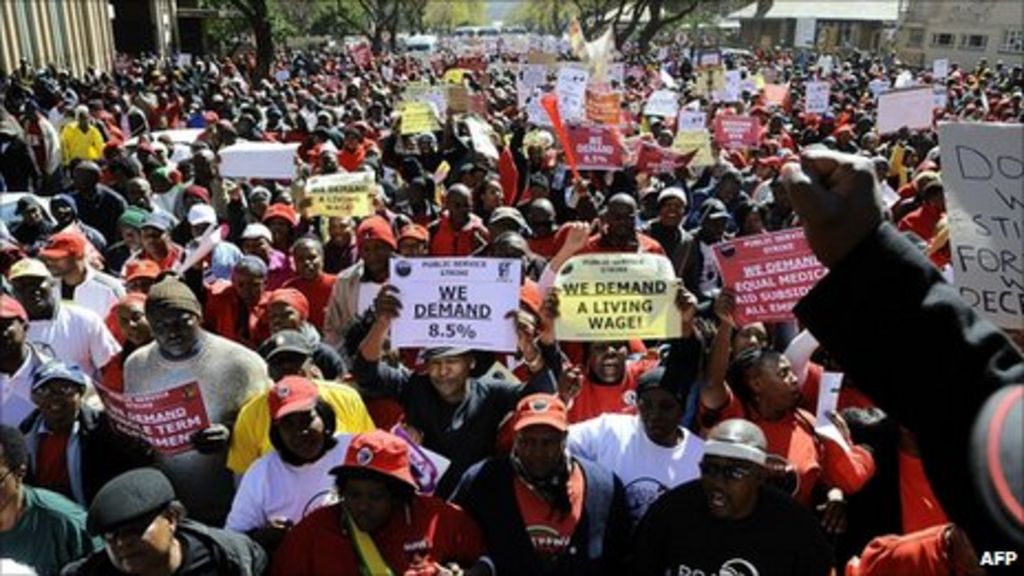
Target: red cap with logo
x,y
282,211
142,268
291,394
376,228
543,410
377,453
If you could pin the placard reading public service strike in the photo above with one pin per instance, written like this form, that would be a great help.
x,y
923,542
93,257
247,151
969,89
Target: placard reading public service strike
x,y
769,272
456,302
166,419
617,297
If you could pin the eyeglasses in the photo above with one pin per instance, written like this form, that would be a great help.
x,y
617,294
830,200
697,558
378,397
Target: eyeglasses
x,y
730,472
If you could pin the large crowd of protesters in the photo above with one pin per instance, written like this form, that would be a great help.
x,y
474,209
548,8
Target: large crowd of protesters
x,y
693,455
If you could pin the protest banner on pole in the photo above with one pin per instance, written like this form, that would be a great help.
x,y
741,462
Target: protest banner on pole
x,y
817,97
769,272
166,419
549,102
604,106
737,132
663,103
983,178
348,195
595,148
910,107
571,89
271,160
691,121
417,117
456,302
697,143
617,297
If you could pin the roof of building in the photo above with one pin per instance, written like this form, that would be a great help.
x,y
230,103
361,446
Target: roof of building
x,y
870,10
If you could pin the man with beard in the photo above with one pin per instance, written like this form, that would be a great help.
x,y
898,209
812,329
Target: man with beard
x,y
542,511
729,521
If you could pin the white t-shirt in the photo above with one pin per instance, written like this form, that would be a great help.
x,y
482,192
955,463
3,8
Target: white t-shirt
x,y
98,292
16,391
618,442
76,336
272,489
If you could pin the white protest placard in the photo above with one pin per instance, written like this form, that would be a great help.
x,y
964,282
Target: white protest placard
x,y
480,136
663,103
533,76
258,160
692,121
940,69
213,236
983,178
731,91
571,89
607,296
817,97
456,302
617,73
184,59
910,108
828,400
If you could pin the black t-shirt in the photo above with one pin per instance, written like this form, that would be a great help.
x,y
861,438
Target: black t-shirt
x,y
679,536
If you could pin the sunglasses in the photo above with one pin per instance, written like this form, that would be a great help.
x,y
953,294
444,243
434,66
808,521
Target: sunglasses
x,y
730,472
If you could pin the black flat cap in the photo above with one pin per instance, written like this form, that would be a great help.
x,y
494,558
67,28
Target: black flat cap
x,y
128,497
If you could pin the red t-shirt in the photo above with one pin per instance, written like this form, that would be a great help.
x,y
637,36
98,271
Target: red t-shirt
x,y
647,245
430,530
549,530
849,397
318,292
595,398
52,463
919,506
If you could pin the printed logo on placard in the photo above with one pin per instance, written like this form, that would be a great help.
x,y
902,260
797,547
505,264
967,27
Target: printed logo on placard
x,y
403,268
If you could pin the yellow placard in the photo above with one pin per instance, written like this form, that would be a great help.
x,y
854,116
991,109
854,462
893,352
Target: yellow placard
x,y
699,140
417,117
617,297
710,81
454,76
344,194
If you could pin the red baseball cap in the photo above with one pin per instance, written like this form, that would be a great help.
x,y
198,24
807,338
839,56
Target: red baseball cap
x,y
293,298
283,211
541,409
197,191
375,228
64,245
414,232
291,394
377,454
530,297
11,308
143,268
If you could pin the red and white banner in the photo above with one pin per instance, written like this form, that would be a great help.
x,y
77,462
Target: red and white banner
x,y
166,419
595,148
654,159
769,272
732,132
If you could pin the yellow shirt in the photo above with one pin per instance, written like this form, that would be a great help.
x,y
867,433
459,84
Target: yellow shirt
x,y
76,144
251,436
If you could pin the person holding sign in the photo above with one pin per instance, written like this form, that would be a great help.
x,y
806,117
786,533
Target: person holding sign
x,y
227,374
357,285
447,393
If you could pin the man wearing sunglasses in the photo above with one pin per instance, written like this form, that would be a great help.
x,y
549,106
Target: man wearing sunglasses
x,y
730,521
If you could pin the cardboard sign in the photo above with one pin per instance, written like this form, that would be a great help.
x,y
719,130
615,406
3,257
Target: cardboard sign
x,y
769,272
417,117
343,194
691,121
617,296
697,143
663,103
654,159
940,69
604,107
166,419
456,302
595,147
737,132
910,108
480,136
271,160
983,176
571,89
817,97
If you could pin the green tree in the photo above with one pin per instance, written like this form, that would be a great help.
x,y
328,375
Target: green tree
x,y
550,16
444,16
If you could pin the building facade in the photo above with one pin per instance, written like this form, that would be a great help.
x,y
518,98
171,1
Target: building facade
x,y
963,32
72,34
822,24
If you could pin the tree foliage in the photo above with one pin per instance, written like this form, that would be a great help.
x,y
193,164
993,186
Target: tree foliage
x,y
444,16
644,18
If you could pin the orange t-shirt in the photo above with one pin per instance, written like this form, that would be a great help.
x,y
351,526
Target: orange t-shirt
x,y
549,530
919,506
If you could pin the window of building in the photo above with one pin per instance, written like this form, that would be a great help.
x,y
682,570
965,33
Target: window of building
x,y
973,41
943,39
916,38
1013,41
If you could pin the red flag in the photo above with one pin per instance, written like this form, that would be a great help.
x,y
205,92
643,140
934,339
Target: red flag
x,y
550,103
